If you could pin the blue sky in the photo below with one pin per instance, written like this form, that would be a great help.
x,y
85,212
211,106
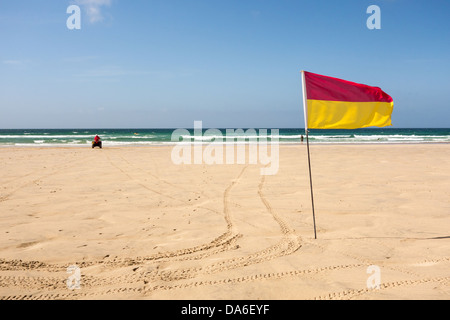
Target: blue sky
x,y
229,63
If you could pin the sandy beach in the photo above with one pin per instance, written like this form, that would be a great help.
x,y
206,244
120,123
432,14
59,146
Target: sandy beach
x,y
140,227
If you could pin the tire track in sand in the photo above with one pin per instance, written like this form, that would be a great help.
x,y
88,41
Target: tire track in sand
x,y
354,293
44,283
124,280
226,241
222,243
288,244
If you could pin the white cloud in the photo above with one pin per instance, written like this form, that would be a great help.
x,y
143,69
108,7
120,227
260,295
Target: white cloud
x,y
12,62
103,72
93,8
79,59
16,63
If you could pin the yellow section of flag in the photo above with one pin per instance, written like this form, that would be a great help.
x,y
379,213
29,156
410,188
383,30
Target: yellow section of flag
x,y
348,115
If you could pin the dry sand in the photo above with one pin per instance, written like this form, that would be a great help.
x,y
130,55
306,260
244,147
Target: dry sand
x,y
140,227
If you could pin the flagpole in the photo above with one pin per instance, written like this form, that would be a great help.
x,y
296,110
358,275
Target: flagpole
x,y
305,101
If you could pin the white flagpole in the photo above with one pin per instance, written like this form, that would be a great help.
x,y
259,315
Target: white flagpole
x,y
305,109
305,102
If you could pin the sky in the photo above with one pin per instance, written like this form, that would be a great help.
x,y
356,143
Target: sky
x,y
228,63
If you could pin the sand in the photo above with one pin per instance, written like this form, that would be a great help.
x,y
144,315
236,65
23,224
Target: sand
x,y
138,226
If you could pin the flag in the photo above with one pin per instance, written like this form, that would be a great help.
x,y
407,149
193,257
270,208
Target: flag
x,y
333,103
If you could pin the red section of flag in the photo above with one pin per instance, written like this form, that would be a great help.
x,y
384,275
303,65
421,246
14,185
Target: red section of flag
x,y
320,87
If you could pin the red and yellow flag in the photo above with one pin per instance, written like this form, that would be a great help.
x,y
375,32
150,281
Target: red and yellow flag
x,y
339,104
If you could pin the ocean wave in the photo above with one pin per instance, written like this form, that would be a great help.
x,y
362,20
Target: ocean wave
x,y
44,136
239,137
325,137
126,137
139,137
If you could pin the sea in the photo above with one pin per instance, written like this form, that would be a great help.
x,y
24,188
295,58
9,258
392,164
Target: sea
x,y
161,137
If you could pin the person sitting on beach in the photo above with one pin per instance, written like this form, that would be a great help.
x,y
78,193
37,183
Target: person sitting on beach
x,y
97,139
